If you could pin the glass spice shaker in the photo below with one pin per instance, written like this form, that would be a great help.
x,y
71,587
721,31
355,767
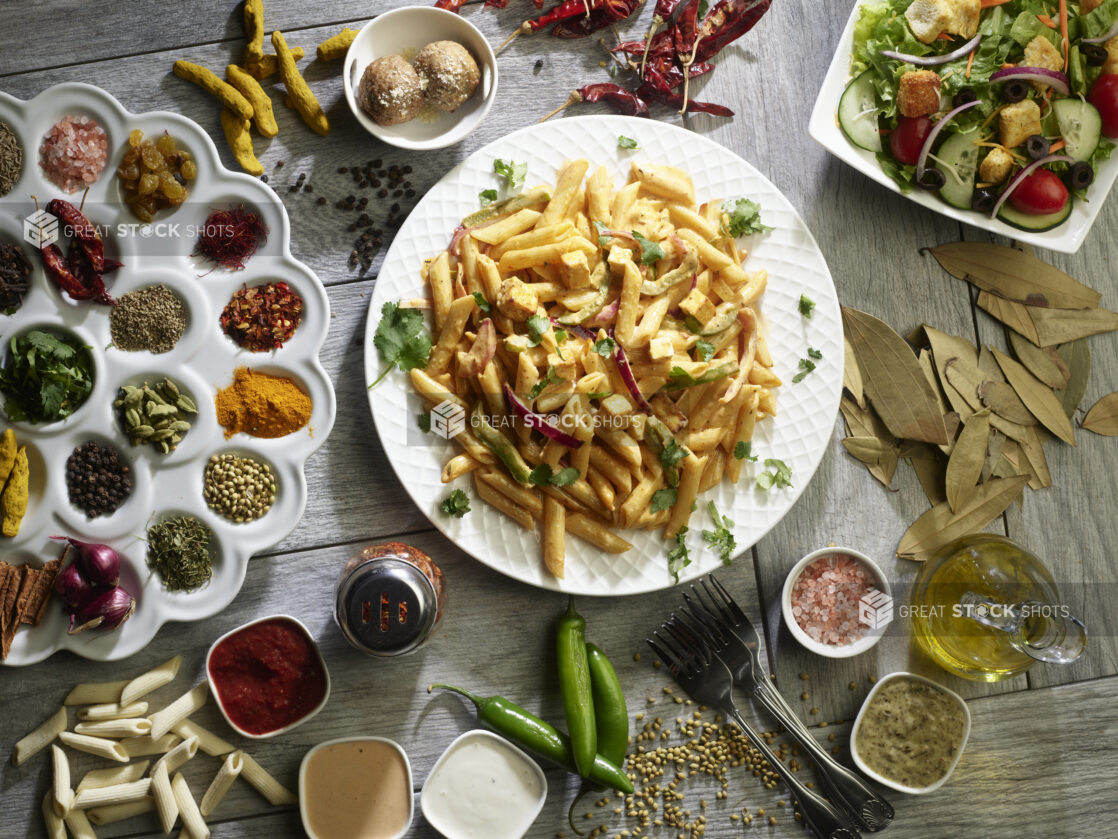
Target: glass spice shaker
x,y
389,599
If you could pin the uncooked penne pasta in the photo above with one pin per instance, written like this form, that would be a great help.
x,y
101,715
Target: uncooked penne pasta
x,y
112,813
37,740
98,746
112,711
98,778
134,727
94,693
54,826
180,754
60,790
208,742
179,710
230,769
275,792
144,746
165,805
116,794
79,825
188,808
153,679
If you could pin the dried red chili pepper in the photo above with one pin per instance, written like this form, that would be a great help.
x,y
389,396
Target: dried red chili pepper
x,y
450,5
81,229
728,21
656,88
621,100
263,317
610,11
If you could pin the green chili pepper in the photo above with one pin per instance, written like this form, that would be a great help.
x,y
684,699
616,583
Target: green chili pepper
x,y
499,444
724,317
530,732
596,304
574,685
611,717
685,271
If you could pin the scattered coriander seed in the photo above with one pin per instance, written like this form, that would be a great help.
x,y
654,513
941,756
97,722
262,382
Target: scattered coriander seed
x,y
241,489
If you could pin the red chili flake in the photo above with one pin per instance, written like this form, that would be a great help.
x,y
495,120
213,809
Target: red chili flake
x,y
229,237
263,317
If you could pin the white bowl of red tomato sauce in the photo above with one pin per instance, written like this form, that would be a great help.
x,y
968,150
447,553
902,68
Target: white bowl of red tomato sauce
x,y
267,676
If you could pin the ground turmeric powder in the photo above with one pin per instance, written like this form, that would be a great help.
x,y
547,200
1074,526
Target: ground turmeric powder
x,y
13,501
262,405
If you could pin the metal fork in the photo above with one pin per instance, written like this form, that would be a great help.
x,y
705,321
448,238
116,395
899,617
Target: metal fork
x,y
706,678
732,637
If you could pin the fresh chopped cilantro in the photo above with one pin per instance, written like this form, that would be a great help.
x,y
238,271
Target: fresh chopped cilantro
x,y
779,475
456,504
627,142
650,251
680,378
722,537
550,378
706,350
603,238
561,336
672,454
401,339
664,499
482,303
679,557
45,378
513,173
537,328
599,394
605,347
544,475
741,218
806,366
424,422
744,451
814,353
487,196
807,306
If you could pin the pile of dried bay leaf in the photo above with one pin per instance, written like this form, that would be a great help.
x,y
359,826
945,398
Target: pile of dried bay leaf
x,y
973,421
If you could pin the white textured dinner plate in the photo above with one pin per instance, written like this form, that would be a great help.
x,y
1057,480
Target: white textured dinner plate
x,y
202,362
825,130
806,411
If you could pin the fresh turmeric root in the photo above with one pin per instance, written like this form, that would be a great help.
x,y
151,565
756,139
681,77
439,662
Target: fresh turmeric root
x,y
262,116
230,97
301,96
13,501
240,141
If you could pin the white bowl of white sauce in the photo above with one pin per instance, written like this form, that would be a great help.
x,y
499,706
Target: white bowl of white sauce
x,y
483,787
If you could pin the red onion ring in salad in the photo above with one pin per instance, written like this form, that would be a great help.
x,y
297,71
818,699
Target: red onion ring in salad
x,y
927,148
933,60
1053,78
1024,173
543,423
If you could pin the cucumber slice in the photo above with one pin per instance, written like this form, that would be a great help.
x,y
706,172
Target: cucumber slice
x,y
858,112
1026,221
957,158
1080,126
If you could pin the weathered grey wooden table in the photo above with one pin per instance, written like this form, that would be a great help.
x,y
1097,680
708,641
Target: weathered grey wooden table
x,y
1043,752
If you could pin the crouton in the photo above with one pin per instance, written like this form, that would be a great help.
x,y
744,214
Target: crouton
x,y
918,94
574,269
995,167
698,305
929,18
1018,122
1111,65
516,301
1040,52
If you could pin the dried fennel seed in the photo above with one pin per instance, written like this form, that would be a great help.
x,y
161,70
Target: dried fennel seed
x,y
239,488
157,415
179,551
151,319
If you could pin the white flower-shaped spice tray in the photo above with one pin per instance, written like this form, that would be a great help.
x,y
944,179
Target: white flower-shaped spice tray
x,y
201,363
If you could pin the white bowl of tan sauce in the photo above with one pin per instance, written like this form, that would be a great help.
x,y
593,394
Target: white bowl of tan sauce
x,y
356,788
483,787
910,733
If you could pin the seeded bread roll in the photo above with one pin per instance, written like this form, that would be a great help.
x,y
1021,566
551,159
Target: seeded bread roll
x,y
390,91
448,73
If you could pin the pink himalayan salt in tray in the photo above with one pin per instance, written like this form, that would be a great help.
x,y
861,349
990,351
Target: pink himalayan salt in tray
x,y
74,152
825,599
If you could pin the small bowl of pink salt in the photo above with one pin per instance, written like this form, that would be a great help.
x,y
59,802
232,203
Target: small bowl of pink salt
x,y
74,152
837,602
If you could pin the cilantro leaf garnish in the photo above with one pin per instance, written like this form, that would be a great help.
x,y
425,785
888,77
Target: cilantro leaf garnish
x,y
664,499
482,303
706,350
544,475
672,454
627,142
513,173
605,347
424,422
807,306
550,378
456,504
744,451
650,251
742,217
807,365
779,475
487,196
679,557
401,339
603,239
537,328
814,353
721,538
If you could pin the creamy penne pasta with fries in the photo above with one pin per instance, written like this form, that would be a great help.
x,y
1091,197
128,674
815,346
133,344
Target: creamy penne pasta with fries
x,y
602,348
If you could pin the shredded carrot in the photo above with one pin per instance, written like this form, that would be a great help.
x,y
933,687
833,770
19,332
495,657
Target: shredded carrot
x,y
943,36
1056,146
1047,21
970,60
1064,31
986,4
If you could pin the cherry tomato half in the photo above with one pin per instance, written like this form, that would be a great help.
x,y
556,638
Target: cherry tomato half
x,y
908,138
1104,96
1040,193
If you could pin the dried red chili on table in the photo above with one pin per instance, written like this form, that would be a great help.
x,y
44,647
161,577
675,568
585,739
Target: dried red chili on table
x,y
230,237
263,317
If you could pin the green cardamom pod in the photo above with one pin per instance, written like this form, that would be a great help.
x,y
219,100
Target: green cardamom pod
x,y
141,431
163,447
180,426
185,403
163,411
133,396
151,394
171,388
160,434
132,417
